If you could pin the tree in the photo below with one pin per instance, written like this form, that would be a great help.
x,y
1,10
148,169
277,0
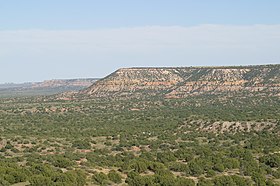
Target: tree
x,y
100,178
40,180
259,179
219,167
61,162
166,157
205,182
4,182
195,168
272,160
81,144
114,176
184,182
223,180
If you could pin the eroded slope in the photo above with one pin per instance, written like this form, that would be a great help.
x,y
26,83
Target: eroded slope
x,y
189,81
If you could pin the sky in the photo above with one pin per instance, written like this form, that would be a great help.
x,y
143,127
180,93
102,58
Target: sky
x,y
51,39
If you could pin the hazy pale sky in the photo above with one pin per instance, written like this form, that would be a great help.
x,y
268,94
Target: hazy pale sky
x,y
52,39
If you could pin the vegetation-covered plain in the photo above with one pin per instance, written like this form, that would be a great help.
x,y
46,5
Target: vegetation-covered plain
x,y
191,141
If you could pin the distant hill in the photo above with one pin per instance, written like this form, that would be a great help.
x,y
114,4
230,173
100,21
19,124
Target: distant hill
x,y
47,87
261,80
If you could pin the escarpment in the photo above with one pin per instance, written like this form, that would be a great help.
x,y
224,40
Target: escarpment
x,y
183,82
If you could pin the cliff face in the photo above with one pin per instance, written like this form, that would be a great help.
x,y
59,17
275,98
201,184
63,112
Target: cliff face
x,y
191,81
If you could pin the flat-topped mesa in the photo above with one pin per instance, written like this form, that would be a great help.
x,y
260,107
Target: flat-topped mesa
x,y
179,82
132,81
65,83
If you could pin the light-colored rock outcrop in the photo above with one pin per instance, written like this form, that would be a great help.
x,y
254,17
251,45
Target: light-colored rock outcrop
x,y
189,81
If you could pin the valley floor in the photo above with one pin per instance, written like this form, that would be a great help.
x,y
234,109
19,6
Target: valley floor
x,y
192,141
